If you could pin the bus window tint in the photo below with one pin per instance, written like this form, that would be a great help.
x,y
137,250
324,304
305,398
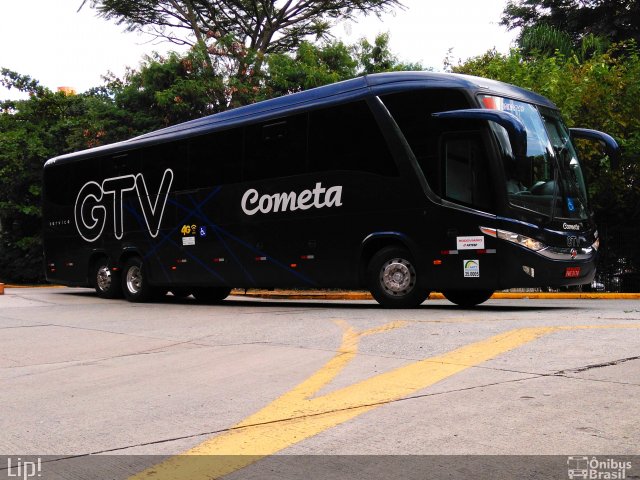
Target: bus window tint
x,y
276,148
215,159
120,164
466,170
63,182
157,159
412,112
347,137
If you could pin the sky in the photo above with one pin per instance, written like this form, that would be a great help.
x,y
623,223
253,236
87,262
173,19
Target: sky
x,y
52,42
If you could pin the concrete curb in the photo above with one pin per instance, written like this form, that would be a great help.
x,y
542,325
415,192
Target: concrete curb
x,y
362,295
35,286
358,295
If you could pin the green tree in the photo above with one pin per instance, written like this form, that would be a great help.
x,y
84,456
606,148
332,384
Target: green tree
x,y
377,57
616,20
172,89
316,65
30,132
311,66
237,34
547,40
167,90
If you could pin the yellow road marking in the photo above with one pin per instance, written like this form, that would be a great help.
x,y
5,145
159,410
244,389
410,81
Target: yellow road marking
x,y
296,416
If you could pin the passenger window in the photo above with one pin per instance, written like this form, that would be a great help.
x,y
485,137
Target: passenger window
x,y
157,159
412,112
215,159
458,174
465,170
64,181
277,148
347,137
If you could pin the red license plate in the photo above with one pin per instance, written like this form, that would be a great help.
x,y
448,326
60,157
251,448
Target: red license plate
x,y
572,272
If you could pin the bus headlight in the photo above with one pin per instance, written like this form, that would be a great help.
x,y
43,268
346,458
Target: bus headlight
x,y
522,240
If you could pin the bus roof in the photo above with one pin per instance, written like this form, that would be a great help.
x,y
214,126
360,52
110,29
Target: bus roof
x,y
354,89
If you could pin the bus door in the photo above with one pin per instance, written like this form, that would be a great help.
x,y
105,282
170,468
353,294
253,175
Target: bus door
x,y
465,258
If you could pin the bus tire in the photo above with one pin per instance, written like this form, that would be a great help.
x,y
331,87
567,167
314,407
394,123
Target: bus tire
x,y
393,280
105,280
135,284
467,298
211,295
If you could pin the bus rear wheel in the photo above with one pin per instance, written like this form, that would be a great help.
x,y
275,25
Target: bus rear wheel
x,y
135,284
467,298
393,280
211,295
105,280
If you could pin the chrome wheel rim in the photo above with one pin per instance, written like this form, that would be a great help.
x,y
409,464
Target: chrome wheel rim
x,y
397,276
134,279
103,278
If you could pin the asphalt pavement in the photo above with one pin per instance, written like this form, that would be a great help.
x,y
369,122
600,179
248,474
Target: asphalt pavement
x,y
259,387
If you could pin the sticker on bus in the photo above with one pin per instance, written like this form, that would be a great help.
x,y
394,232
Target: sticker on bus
x,y
471,268
470,243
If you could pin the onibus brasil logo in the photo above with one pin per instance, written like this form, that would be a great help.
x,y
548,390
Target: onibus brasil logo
x,y
596,469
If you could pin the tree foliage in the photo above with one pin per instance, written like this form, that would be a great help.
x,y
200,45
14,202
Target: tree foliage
x,y
31,131
236,36
313,66
616,20
173,89
264,26
547,40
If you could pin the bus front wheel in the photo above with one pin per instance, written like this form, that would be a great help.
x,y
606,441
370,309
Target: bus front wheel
x,y
135,284
393,280
467,298
211,295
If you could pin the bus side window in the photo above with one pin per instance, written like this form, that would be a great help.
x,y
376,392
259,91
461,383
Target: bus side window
x,y
276,148
347,137
63,182
215,159
157,159
465,170
412,112
120,164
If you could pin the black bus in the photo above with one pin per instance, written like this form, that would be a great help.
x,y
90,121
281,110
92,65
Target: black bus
x,y
400,183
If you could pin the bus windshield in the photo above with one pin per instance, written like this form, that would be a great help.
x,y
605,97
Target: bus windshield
x,y
549,179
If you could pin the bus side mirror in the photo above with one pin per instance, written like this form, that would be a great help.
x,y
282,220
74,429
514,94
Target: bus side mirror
x,y
611,147
513,125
